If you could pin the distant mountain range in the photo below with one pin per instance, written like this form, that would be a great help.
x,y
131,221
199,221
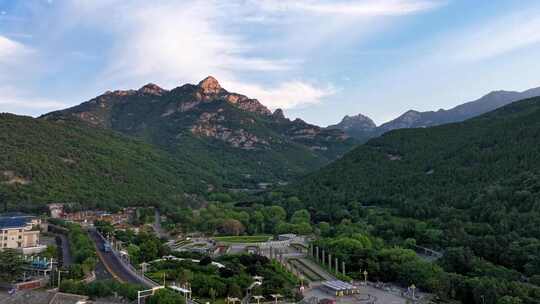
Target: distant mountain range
x,y
363,128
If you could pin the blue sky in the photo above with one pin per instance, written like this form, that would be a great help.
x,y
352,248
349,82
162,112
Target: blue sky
x,y
317,59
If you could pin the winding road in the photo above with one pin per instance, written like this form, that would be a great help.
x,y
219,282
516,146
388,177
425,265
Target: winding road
x,y
112,263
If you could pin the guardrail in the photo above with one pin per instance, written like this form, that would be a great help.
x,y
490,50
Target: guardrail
x,y
149,282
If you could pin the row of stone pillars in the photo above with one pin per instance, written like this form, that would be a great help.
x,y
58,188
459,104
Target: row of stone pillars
x,y
325,259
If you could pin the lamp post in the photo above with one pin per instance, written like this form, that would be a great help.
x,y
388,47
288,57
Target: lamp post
x,y
276,297
258,298
365,277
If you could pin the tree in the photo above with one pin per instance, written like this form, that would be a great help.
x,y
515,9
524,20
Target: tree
x,y
301,216
509,300
303,228
165,296
324,229
234,290
273,215
232,227
11,265
185,276
149,251
134,253
205,261
212,293
257,221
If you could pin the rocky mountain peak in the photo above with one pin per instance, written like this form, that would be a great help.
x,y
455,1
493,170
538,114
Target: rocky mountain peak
x,y
357,121
354,124
278,114
210,85
152,89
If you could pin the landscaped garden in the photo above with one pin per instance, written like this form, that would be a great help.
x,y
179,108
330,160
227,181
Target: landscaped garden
x,y
208,282
243,238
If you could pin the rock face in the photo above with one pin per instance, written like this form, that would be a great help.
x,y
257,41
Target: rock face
x,y
358,126
204,120
210,86
152,89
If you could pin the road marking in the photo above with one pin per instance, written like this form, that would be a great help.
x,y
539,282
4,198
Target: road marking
x,y
115,276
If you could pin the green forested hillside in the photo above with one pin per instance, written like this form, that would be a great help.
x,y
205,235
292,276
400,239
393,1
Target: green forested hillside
x,y
43,162
470,190
226,134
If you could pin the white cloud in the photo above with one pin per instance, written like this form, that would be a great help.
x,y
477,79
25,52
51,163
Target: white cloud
x,y
491,39
176,43
285,95
173,44
10,49
369,8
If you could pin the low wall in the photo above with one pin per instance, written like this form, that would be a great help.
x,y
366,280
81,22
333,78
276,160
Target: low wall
x,y
31,284
34,250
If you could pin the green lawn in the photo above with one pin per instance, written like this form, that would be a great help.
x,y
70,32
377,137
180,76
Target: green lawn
x,y
243,238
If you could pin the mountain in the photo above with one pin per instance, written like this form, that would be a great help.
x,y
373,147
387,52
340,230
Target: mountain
x,y
359,126
231,136
362,128
487,103
44,162
472,186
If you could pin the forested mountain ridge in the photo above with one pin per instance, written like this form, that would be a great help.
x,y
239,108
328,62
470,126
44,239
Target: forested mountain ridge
x,y
44,162
359,126
470,188
487,103
232,136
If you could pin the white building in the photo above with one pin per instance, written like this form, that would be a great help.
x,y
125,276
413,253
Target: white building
x,y
20,232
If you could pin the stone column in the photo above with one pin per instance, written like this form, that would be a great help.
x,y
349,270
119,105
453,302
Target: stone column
x,y
337,268
343,267
317,253
323,257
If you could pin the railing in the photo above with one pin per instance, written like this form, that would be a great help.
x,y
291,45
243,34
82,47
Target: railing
x,y
130,267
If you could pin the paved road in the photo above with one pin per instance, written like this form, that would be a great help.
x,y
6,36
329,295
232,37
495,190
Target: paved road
x,y
115,266
66,254
157,225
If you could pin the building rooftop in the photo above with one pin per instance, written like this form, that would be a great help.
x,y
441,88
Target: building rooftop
x,y
14,221
16,214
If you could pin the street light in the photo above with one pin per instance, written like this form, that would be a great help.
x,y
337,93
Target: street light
x,y
413,288
276,297
258,298
365,277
